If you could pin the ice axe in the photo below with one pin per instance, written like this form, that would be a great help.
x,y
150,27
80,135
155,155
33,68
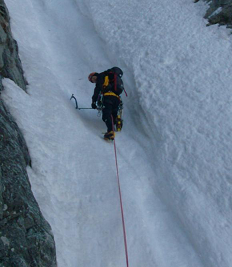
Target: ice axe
x,y
73,97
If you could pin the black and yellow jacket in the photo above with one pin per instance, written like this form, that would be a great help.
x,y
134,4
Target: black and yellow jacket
x,y
102,82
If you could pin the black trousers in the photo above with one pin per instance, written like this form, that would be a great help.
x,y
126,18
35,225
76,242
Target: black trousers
x,y
110,110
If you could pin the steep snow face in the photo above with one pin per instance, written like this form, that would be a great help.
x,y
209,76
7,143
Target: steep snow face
x,y
174,151
181,70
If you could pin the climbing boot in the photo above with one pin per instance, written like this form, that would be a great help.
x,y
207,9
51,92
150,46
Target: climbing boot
x,y
109,135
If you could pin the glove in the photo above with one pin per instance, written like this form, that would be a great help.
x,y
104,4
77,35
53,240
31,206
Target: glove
x,y
94,106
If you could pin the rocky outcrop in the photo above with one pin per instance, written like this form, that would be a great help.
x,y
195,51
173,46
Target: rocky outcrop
x,y
219,12
26,239
10,64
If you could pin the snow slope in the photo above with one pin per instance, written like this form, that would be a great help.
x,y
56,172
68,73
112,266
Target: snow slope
x,y
174,151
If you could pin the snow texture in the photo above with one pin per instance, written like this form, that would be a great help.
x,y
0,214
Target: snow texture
x,y
175,150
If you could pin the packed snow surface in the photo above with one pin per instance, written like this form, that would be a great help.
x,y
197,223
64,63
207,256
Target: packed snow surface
x,y
175,150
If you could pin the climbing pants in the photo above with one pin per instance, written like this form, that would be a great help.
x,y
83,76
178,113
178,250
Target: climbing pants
x,y
110,110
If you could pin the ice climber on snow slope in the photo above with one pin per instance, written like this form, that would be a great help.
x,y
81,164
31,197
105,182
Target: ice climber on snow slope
x,y
109,86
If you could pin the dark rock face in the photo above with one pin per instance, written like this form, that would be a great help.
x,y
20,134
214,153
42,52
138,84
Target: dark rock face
x,y
10,64
26,239
25,236
220,11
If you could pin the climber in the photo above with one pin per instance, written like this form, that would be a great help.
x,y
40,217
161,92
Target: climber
x,y
109,85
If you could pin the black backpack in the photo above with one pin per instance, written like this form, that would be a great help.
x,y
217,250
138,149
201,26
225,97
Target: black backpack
x,y
113,81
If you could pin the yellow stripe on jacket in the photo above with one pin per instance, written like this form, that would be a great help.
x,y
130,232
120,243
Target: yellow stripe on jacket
x,y
111,93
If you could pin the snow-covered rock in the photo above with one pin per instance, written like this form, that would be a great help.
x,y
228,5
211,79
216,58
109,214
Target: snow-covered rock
x,y
219,11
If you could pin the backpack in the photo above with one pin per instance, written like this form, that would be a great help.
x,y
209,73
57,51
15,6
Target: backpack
x,y
113,82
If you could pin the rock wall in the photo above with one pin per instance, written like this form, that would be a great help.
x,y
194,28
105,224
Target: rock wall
x,y
220,11
26,239
10,64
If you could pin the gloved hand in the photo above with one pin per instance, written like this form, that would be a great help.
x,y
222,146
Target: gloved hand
x,y
94,106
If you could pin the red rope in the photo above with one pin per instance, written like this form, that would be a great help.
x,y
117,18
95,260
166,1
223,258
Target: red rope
x,y
120,196
125,93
